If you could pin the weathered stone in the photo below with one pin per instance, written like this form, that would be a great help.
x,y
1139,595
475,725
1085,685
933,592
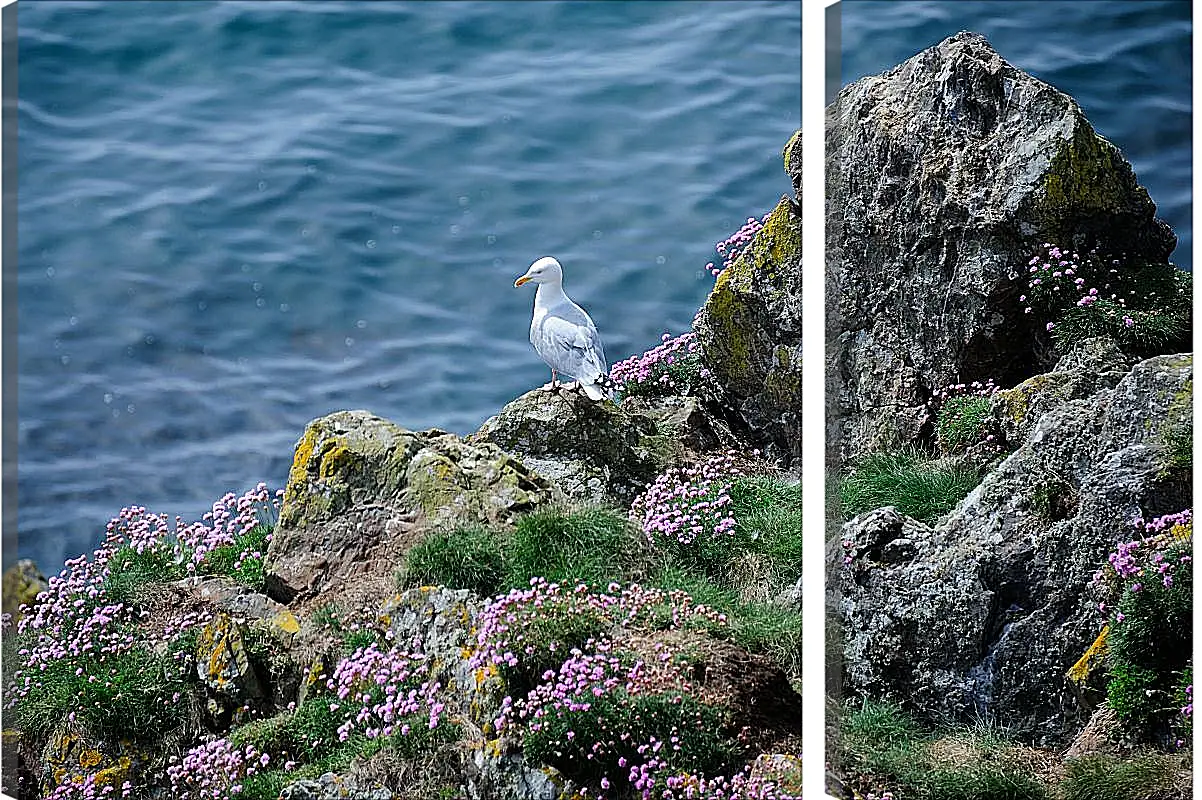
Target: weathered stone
x,y
1092,366
20,586
494,774
363,490
602,452
73,755
995,604
331,786
224,666
440,623
792,157
750,335
944,175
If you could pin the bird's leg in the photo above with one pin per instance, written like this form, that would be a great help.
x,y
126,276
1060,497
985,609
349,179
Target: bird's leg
x,y
554,384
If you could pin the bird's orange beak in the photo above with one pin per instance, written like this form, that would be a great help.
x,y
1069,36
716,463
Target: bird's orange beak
x,y
521,280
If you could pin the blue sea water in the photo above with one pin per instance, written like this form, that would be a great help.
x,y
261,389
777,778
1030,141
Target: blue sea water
x,y
1126,62
236,217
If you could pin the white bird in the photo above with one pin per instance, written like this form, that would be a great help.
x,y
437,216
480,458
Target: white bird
x,y
563,334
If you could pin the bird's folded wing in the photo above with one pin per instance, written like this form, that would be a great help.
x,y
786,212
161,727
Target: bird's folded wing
x,y
572,347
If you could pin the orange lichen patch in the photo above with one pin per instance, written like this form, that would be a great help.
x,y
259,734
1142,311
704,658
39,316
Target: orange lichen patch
x,y
1182,533
115,775
89,758
315,673
1079,672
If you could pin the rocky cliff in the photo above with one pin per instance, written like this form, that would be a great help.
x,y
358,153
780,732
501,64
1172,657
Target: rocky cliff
x,y
980,230
579,599
944,175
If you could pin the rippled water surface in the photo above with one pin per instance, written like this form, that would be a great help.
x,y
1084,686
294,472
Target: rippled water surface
x,y
236,217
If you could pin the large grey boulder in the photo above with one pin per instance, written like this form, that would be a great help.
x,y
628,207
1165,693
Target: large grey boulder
x,y
590,451
943,176
363,490
750,332
983,615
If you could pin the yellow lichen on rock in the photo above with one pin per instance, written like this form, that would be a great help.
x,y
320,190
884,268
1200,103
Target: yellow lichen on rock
x,y
286,621
1079,672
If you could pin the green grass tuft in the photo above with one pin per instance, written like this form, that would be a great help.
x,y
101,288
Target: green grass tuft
x,y
463,558
919,487
768,515
130,572
593,546
762,628
884,744
1151,777
962,422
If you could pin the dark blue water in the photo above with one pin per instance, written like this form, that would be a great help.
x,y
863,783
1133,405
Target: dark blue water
x,y
236,217
1126,62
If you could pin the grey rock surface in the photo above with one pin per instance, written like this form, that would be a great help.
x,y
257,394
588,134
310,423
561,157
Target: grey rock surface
x,y
331,786
750,335
943,176
363,490
982,615
591,451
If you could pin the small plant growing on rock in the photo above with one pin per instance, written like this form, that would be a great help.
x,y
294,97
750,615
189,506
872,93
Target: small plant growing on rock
x,y
1149,642
737,243
917,485
671,368
1074,297
961,414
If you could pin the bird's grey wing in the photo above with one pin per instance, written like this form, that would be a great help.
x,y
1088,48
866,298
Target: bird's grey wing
x,y
570,344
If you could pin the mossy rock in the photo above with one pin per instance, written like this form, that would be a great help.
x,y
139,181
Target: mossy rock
x,y
224,666
1091,367
20,586
362,490
750,330
73,755
792,158
342,459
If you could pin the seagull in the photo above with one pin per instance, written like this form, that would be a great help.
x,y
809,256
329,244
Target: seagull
x,y
562,333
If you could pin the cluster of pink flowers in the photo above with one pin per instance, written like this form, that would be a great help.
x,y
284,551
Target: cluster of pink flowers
x,y
215,770
975,389
231,517
507,634
1058,279
378,691
687,504
76,621
593,672
669,368
573,687
74,617
89,788
734,245
1137,560
654,780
